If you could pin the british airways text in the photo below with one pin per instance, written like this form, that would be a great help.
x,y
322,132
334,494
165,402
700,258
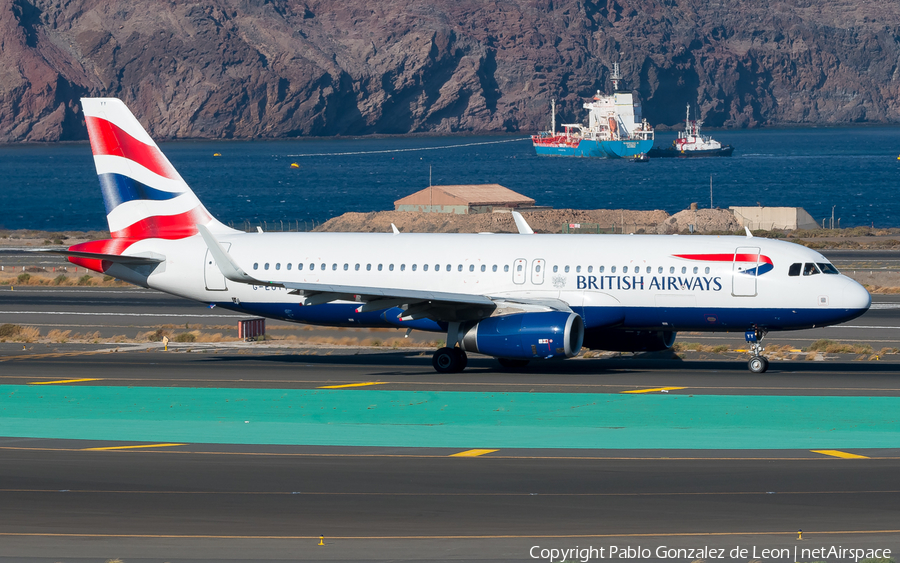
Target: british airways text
x,y
659,283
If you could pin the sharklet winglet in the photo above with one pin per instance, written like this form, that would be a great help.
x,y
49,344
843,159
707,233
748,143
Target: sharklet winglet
x,y
224,262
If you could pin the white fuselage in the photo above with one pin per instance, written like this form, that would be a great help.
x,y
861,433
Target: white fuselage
x,y
660,282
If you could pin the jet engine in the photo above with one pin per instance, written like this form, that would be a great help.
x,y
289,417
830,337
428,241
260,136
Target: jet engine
x,y
525,336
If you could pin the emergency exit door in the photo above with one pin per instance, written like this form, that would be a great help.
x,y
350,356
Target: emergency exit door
x,y
213,277
743,271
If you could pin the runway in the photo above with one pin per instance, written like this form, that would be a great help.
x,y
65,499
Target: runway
x,y
606,453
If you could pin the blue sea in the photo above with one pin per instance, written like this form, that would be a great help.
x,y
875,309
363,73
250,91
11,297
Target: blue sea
x,y
853,170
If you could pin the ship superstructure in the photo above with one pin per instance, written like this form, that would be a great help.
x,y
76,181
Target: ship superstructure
x,y
615,128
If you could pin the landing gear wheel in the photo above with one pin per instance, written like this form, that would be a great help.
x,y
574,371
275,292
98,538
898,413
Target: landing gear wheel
x,y
449,360
512,364
758,364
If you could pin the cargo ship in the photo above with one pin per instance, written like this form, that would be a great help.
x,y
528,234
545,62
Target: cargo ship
x,y
690,143
615,129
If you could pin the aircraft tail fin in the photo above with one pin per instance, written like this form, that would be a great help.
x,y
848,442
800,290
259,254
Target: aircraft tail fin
x,y
145,197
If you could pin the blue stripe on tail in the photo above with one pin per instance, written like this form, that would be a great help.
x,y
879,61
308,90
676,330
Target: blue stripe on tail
x,y
118,189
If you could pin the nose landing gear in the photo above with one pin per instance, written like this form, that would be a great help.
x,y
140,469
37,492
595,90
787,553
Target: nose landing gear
x,y
758,363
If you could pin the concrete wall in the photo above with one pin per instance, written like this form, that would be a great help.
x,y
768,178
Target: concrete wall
x,y
767,218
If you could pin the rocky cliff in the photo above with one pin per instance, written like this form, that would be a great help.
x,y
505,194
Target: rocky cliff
x,y
274,68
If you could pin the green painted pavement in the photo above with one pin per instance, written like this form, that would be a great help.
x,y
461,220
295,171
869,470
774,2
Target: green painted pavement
x,y
448,419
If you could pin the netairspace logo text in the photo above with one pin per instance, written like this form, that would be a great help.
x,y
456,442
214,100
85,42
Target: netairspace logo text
x,y
585,554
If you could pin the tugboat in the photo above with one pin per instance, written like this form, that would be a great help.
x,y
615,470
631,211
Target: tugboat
x,y
691,143
615,129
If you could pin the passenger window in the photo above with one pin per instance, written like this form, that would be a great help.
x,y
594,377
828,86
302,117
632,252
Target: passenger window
x,y
649,269
494,268
391,267
483,267
590,269
519,268
333,267
696,269
471,267
567,269
683,269
322,267
413,267
266,267
278,265
660,270
671,269
256,265
600,269
312,267
794,270
577,269
368,267
706,270
449,268
379,267
346,267
402,267
809,269
555,269
506,268
289,266
356,267
537,268
625,270
300,266
612,270
424,267
459,268
828,268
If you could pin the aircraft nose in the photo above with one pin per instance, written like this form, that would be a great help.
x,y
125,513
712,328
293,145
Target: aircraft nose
x,y
855,296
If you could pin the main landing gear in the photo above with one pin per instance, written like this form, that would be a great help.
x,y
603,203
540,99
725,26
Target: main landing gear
x,y
449,360
758,363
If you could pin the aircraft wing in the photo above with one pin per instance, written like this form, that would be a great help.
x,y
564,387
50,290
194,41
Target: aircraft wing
x,y
437,305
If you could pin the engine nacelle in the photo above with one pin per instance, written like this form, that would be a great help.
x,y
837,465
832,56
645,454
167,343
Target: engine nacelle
x,y
629,340
525,336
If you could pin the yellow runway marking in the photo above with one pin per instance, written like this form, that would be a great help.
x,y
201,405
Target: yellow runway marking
x,y
131,447
352,385
840,454
657,390
472,453
63,381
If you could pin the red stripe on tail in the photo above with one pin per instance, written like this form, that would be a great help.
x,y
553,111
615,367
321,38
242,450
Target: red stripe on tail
x,y
166,226
108,139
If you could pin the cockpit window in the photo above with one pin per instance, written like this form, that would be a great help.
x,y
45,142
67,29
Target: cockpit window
x,y
827,268
794,270
809,269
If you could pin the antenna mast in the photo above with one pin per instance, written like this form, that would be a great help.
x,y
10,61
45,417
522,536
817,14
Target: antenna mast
x,y
615,77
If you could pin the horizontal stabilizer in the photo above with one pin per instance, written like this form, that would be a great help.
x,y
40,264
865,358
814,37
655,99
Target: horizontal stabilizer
x,y
115,258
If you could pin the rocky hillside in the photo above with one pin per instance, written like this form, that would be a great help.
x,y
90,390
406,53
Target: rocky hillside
x,y
273,68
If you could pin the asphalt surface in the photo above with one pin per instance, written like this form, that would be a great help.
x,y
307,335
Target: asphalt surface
x,y
64,501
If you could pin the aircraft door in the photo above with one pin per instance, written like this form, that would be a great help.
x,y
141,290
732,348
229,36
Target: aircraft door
x,y
537,271
743,271
519,270
213,277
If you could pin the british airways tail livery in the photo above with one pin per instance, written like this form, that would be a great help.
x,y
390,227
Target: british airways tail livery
x,y
514,297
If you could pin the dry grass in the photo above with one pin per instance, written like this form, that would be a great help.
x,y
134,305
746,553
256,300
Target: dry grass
x,y
43,277
697,347
832,347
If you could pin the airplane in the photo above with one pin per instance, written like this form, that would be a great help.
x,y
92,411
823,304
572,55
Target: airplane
x,y
515,297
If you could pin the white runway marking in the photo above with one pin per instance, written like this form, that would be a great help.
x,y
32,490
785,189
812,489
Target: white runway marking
x,y
235,316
